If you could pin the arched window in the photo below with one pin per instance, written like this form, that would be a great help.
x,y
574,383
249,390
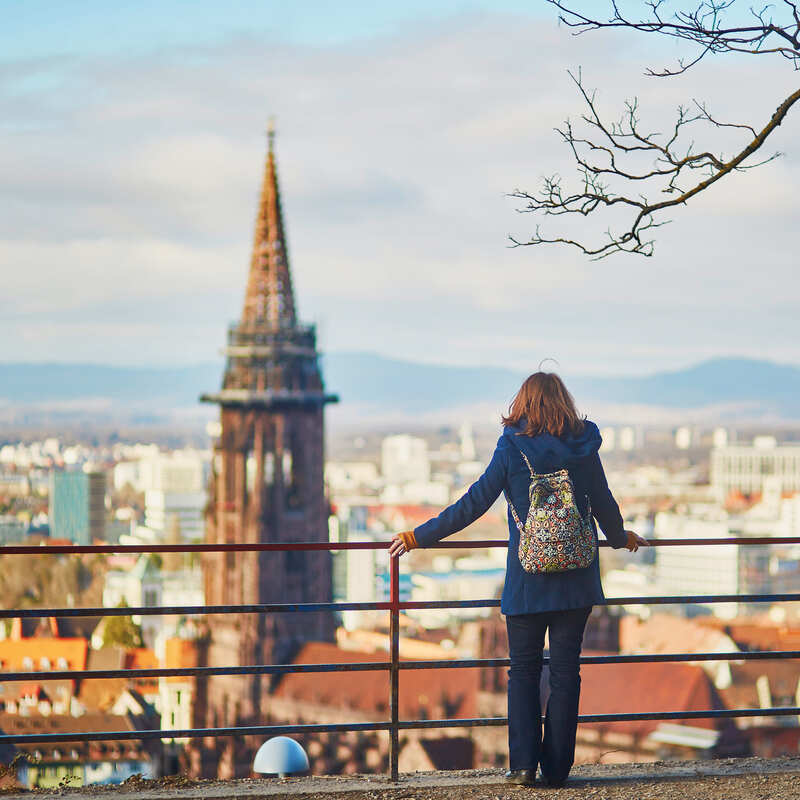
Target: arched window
x,y
294,474
269,468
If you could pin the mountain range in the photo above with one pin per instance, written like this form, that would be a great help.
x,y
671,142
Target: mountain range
x,y
375,387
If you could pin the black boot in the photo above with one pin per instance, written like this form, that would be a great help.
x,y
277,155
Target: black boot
x,y
553,784
522,777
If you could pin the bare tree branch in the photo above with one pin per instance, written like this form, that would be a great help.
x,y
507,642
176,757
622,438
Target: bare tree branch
x,y
622,153
702,26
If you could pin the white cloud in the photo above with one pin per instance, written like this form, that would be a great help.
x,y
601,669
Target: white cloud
x,y
129,189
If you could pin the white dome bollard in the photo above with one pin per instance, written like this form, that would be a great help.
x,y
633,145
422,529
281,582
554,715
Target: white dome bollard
x,y
280,756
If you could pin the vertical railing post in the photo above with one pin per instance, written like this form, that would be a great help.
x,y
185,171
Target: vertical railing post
x,y
394,668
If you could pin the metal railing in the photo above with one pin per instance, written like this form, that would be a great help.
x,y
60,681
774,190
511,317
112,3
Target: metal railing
x,y
394,666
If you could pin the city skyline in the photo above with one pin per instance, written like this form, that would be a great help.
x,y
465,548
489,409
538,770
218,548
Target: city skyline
x,y
166,545
129,185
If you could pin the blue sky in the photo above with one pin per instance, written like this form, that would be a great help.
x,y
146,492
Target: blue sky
x,y
131,151
48,27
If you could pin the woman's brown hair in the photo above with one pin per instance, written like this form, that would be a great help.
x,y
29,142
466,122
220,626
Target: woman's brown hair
x,y
545,406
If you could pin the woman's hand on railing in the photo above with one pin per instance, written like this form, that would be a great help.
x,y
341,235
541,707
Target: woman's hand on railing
x,y
635,541
401,543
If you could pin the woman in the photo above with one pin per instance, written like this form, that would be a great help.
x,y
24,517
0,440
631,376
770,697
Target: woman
x,y
542,435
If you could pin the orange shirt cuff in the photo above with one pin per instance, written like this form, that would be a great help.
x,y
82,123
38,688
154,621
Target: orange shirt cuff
x,y
409,540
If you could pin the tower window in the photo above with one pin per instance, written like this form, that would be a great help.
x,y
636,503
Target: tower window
x,y
250,472
269,468
294,467
230,480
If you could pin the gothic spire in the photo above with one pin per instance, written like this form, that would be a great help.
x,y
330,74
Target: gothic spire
x,y
269,300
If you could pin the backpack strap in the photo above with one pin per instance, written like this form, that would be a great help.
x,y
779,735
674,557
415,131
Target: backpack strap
x,y
514,514
533,475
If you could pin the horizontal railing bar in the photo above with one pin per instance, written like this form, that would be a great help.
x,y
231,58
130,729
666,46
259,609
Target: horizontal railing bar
x,y
192,733
780,711
702,598
723,713
200,672
659,658
126,611
467,722
739,540
282,608
297,546
140,549
434,604
616,601
471,722
662,658
376,666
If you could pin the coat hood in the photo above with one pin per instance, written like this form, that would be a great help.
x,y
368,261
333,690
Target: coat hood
x,y
554,452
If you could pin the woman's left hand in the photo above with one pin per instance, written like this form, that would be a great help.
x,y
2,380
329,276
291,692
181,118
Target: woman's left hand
x,y
635,541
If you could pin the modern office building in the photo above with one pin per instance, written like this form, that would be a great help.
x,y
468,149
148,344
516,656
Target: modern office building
x,y
77,506
173,485
728,569
750,468
188,508
12,530
405,458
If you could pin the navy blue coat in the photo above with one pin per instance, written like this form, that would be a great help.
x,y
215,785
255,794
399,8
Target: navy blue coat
x,y
524,593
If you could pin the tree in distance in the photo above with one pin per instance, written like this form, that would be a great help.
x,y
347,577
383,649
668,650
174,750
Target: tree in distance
x,y
121,631
631,175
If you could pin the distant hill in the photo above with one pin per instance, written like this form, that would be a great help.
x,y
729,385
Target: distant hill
x,y
772,388
146,387
752,387
379,384
372,386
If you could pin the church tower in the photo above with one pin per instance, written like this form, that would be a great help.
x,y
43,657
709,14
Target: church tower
x,y
267,480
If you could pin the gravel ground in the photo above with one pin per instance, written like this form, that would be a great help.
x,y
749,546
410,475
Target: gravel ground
x,y
740,787
728,779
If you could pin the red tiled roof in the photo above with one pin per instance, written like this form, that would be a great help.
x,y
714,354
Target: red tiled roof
x,y
17,724
620,688
665,633
180,653
141,658
764,636
427,693
450,752
101,693
57,691
32,690
783,677
14,651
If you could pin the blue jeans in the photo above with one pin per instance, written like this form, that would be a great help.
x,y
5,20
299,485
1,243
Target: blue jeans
x,y
555,752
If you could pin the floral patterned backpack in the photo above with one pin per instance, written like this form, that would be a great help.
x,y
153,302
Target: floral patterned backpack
x,y
554,538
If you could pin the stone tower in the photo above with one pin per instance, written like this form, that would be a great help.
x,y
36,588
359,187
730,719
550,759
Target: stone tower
x,y
266,483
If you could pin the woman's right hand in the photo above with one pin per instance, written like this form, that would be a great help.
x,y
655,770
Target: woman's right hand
x,y
635,541
402,543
